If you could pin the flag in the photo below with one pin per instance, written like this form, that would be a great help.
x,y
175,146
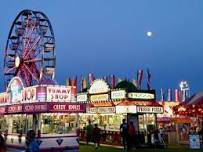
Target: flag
x,y
75,83
139,78
84,83
81,86
113,81
149,86
135,82
68,82
162,95
169,95
119,80
90,78
105,78
176,95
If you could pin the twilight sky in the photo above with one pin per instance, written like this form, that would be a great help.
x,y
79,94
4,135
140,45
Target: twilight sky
x,y
109,37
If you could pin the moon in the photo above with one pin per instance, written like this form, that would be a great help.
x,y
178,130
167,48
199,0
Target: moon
x,y
149,33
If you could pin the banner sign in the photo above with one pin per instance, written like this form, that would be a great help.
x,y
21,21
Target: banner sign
x,y
141,96
43,108
29,94
100,97
58,93
3,98
64,107
30,108
126,109
147,109
81,97
2,110
101,110
104,110
14,90
41,93
99,86
118,94
92,110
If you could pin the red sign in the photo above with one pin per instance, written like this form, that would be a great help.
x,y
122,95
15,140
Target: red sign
x,y
66,107
3,110
43,108
30,108
15,109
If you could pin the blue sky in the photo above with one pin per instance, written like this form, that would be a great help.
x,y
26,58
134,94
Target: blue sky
x,y
108,37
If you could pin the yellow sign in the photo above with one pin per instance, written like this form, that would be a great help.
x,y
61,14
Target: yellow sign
x,y
101,97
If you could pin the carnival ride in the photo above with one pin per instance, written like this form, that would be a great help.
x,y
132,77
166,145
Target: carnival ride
x,y
29,52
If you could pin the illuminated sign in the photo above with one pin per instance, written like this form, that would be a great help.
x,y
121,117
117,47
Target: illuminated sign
x,y
66,107
3,98
58,93
92,110
29,94
3,110
41,93
141,95
81,97
101,110
126,109
43,108
99,86
106,110
15,88
101,97
118,94
147,109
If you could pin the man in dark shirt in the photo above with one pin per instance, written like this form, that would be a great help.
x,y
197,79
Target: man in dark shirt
x,y
124,133
89,132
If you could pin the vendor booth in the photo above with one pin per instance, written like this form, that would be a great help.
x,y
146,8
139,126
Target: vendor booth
x,y
108,107
50,110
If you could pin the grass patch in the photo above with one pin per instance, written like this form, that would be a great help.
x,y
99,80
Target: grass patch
x,y
91,148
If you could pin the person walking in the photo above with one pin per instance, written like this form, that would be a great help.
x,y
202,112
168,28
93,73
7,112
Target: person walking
x,y
131,135
124,133
97,136
89,130
31,143
2,144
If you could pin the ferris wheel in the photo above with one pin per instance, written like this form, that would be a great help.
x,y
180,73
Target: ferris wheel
x,y
29,52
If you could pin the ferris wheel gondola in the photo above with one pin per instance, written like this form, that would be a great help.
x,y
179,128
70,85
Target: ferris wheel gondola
x,y
29,51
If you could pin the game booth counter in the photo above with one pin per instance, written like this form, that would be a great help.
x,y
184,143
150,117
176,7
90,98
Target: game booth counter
x,y
107,107
50,110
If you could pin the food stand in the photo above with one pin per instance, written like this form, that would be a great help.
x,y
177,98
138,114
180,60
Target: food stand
x,y
107,107
50,110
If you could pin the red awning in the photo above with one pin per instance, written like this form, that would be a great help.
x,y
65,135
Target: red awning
x,y
139,103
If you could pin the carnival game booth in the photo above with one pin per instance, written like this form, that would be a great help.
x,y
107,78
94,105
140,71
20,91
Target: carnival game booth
x,y
107,107
192,111
49,109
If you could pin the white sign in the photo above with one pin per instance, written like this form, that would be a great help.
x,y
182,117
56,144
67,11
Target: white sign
x,y
194,141
92,110
100,97
58,93
141,95
101,110
147,109
118,94
99,86
105,110
126,109
81,97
